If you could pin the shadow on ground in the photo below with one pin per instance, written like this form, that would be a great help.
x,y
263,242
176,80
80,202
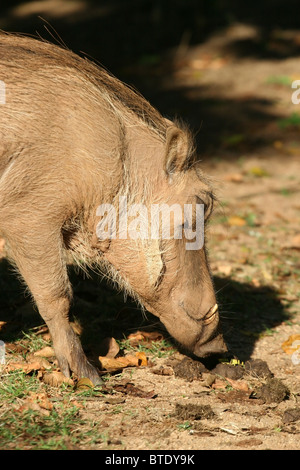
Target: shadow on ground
x,y
247,312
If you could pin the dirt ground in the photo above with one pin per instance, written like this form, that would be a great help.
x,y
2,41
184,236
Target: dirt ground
x,y
253,158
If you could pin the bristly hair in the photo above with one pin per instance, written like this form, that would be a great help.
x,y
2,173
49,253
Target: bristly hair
x,y
114,90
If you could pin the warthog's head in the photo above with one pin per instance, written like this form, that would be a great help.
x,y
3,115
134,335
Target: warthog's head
x,y
165,264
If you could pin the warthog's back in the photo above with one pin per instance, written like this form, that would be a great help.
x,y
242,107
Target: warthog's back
x,y
64,104
64,123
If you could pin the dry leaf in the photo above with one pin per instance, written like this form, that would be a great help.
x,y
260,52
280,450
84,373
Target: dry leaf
x,y
293,243
113,364
42,361
238,384
41,330
224,269
258,171
56,378
142,337
15,347
109,347
46,337
84,384
219,384
37,402
27,367
292,344
234,177
45,352
142,358
77,404
236,221
296,241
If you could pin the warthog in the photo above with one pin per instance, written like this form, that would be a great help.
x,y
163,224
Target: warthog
x,y
73,138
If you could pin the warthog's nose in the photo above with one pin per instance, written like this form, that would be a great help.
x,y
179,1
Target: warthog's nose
x,y
211,315
214,346
210,342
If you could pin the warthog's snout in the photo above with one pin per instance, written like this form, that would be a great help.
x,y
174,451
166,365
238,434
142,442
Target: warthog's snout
x,y
198,332
210,341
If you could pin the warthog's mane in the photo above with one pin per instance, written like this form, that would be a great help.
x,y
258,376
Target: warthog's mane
x,y
43,52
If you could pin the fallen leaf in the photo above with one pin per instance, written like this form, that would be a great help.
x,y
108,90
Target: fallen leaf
x,y
43,400
224,269
41,330
42,361
219,384
77,404
84,384
296,241
15,347
238,384
26,367
46,337
236,221
258,171
142,337
37,402
142,358
234,177
56,378
255,282
109,347
292,344
113,364
266,274
45,352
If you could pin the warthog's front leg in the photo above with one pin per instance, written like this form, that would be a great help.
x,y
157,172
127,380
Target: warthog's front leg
x,y
38,255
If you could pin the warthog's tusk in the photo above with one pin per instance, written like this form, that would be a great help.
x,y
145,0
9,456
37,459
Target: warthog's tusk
x,y
211,314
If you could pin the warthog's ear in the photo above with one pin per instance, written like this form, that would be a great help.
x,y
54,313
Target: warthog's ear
x,y
177,149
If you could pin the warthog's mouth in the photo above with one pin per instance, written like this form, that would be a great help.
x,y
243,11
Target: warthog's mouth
x,y
211,315
210,342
